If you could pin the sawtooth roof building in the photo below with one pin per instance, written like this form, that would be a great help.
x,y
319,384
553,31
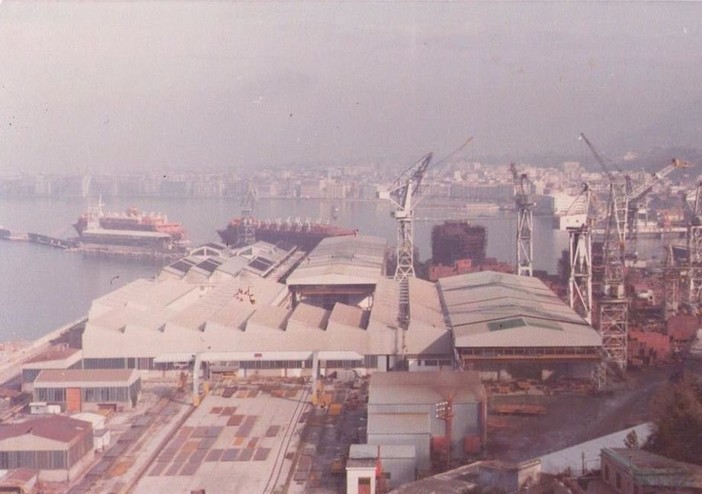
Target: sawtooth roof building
x,y
334,309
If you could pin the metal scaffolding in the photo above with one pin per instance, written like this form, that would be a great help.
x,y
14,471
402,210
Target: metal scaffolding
x,y
613,305
580,279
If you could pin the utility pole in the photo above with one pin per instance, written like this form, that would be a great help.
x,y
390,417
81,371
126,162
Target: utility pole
x,y
444,411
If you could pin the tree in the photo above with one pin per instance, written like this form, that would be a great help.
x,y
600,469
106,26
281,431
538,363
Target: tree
x,y
677,412
631,440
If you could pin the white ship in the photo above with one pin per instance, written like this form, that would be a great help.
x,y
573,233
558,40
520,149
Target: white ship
x,y
569,211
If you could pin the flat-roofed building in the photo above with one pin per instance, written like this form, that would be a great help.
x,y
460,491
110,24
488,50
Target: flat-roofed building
x,y
635,471
405,408
57,357
59,447
78,390
505,325
390,465
340,269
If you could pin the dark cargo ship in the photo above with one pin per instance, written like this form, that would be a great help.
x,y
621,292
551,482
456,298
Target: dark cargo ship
x,y
304,234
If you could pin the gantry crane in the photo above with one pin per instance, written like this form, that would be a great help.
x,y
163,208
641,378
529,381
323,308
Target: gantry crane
x,y
247,234
525,222
580,257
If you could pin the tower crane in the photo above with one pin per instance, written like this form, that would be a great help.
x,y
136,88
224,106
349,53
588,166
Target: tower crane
x,y
402,195
405,194
525,222
404,191
248,204
613,304
612,323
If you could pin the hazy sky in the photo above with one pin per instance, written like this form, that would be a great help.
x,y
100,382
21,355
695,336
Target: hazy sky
x,y
148,85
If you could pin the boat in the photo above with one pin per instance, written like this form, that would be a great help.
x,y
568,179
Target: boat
x,y
304,234
131,234
130,220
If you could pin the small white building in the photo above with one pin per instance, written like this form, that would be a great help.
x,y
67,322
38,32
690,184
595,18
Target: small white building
x,y
391,465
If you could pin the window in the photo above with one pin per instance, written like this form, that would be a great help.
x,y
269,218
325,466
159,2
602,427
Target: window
x,y
619,481
606,472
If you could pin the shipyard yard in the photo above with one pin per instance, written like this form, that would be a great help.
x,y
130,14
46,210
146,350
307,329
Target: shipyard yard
x,y
264,434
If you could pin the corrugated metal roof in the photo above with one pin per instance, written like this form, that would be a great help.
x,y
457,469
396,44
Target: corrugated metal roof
x,y
230,303
428,340
271,317
143,293
56,427
310,315
490,309
356,260
386,302
347,315
425,388
233,265
71,377
53,354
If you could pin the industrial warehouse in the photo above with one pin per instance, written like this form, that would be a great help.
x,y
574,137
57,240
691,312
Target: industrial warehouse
x,y
338,310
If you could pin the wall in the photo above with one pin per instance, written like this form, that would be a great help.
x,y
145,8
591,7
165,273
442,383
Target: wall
x,y
421,443
401,470
352,476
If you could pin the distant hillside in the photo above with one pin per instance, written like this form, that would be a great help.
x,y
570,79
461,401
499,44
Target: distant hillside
x,y
677,134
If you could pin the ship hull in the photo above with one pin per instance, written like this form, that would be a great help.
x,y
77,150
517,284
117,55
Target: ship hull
x,y
305,236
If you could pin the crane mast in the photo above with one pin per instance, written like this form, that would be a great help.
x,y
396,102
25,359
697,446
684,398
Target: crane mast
x,y
580,257
613,305
525,222
402,195
693,280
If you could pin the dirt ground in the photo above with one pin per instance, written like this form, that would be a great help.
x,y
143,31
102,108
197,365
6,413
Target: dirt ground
x,y
572,418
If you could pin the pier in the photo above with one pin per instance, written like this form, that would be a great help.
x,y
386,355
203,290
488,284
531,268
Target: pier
x,y
38,238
